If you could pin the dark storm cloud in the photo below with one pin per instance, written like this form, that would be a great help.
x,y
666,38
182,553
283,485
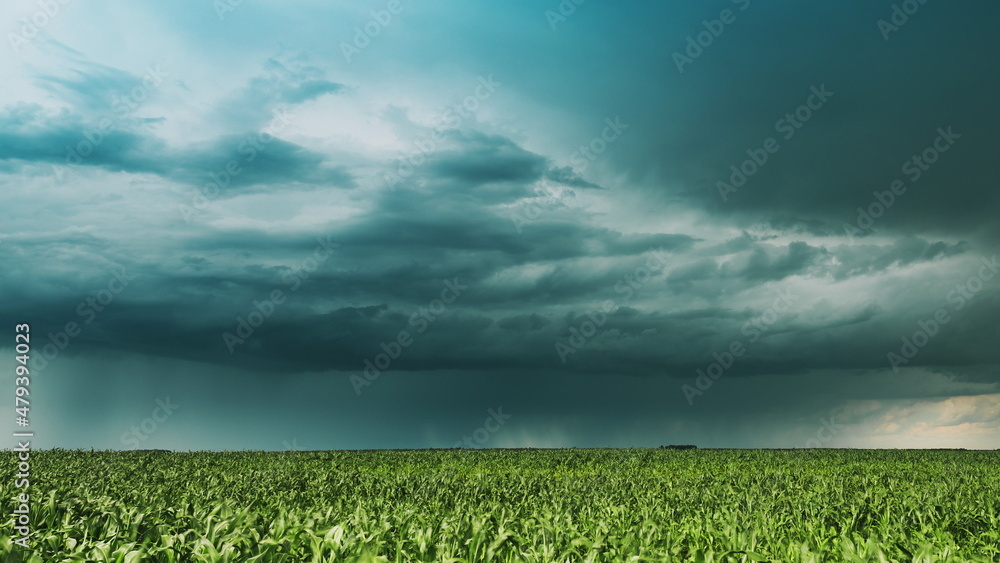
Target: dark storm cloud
x,y
443,217
393,260
29,134
486,159
547,254
168,316
491,169
259,161
764,266
425,242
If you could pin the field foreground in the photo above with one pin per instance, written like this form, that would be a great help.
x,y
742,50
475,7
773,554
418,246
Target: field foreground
x,y
510,505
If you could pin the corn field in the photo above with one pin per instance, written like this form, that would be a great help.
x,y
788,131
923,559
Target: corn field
x,y
510,505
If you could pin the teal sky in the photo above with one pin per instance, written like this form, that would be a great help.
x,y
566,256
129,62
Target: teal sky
x,y
219,217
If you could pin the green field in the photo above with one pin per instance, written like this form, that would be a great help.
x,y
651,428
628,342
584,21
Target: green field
x,y
511,505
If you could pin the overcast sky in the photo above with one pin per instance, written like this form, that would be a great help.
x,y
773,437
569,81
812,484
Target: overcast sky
x,y
394,224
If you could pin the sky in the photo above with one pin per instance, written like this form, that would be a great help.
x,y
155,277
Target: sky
x,y
308,225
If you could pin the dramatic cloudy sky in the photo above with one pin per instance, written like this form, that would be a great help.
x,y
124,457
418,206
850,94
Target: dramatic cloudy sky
x,y
542,201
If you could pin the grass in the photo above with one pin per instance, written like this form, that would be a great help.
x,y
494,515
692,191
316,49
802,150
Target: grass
x,y
510,505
